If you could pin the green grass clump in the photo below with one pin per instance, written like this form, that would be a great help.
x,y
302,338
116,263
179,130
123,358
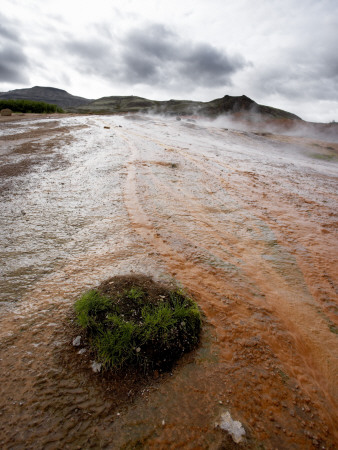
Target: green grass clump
x,y
90,308
132,327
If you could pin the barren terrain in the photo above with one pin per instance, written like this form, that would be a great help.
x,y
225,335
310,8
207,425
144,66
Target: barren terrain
x,y
246,221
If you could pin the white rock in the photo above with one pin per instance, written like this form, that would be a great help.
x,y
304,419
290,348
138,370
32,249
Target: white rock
x,y
77,341
233,427
82,351
96,366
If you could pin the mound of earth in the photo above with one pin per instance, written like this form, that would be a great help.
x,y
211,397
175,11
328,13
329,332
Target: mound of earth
x,y
134,321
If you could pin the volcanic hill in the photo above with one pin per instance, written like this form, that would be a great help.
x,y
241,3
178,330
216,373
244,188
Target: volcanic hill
x,y
235,105
51,95
214,108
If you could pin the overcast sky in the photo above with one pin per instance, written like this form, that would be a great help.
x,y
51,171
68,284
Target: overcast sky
x,y
281,53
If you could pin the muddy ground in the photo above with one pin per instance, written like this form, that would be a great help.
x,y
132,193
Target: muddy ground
x,y
245,220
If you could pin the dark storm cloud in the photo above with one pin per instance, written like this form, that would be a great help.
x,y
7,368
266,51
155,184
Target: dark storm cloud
x,y
209,65
13,61
155,55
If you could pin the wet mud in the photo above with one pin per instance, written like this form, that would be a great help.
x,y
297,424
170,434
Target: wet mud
x,y
246,221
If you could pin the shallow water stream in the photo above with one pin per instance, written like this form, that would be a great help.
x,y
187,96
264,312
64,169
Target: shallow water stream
x,y
247,223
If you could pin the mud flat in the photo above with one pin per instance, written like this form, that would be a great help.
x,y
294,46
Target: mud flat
x,y
246,221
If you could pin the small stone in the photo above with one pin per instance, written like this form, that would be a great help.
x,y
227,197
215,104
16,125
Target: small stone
x,y
233,427
96,366
82,351
138,350
77,341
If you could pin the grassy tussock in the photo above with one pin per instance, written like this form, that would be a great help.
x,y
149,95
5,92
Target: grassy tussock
x,y
128,329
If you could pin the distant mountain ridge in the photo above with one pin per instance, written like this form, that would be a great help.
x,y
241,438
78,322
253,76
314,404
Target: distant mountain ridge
x,y
128,104
46,94
225,105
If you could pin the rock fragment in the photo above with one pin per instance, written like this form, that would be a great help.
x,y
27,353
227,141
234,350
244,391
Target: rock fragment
x,y
96,366
77,341
233,427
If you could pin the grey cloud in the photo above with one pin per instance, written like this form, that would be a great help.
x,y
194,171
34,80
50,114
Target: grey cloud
x,y
156,41
88,50
308,67
301,78
6,32
155,55
139,68
13,64
91,56
167,58
13,61
210,66
145,53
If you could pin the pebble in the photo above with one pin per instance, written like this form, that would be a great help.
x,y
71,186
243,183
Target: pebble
x,y
77,341
96,366
233,427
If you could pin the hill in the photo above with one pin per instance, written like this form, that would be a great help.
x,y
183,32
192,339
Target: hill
x,y
50,95
214,108
125,104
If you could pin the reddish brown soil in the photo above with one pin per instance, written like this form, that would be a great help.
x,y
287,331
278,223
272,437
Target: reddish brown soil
x,y
256,248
